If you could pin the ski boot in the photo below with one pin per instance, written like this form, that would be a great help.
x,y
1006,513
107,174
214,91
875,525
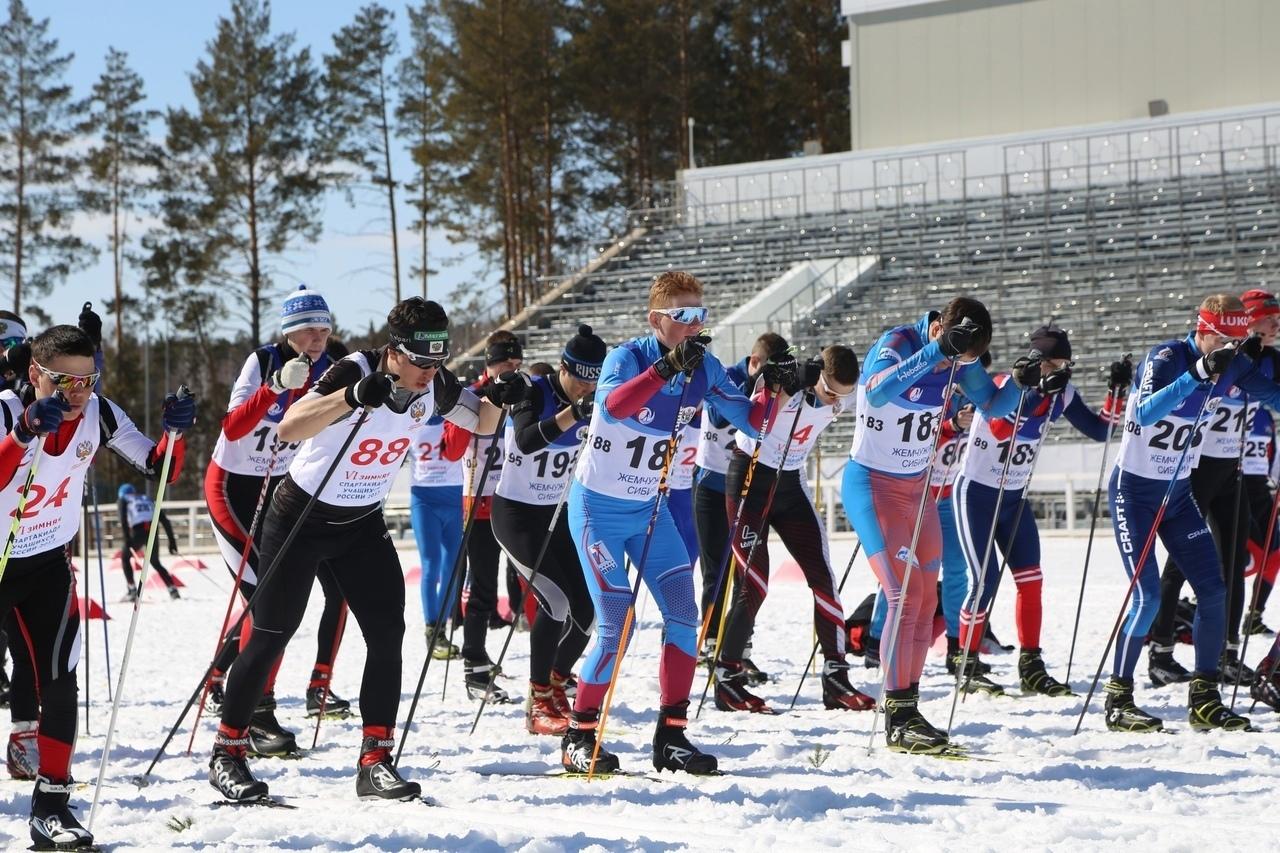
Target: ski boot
x,y
563,689
1205,710
707,657
672,749
1253,624
53,826
981,667
871,652
319,695
441,648
838,693
732,693
542,716
228,769
1266,685
973,679
1036,679
991,644
476,676
755,676
173,592
131,595
377,778
6,689
267,738
1123,714
213,697
906,729
1163,668
24,751
579,743
1231,670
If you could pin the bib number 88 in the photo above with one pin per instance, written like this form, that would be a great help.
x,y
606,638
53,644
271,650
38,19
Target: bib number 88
x,y
371,450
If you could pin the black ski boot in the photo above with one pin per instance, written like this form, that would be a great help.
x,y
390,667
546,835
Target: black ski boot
x,y
229,771
838,693
1253,624
1123,714
732,693
213,698
974,679
1266,685
1036,679
1231,670
579,743
672,749
755,676
906,729
476,676
953,658
1205,710
267,738
377,777
1163,668
53,826
991,643
319,695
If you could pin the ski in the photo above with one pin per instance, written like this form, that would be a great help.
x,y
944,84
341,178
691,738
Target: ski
x,y
262,802
91,848
575,775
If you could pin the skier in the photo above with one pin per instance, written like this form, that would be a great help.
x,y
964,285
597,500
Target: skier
x,y
649,388
248,450
540,448
435,508
136,514
60,411
900,405
1044,377
1174,400
1260,471
394,389
817,394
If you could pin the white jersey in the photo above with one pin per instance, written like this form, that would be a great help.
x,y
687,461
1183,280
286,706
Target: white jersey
x,y
987,455
252,453
715,446
139,509
365,476
479,449
1257,449
948,459
539,478
430,468
681,476
1222,436
894,437
813,418
1153,451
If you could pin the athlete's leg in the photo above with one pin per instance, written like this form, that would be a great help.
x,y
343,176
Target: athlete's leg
x,y
483,557
713,533
800,529
1134,503
680,503
955,571
669,577
752,585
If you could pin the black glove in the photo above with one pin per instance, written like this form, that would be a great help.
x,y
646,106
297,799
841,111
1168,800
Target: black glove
x,y
507,389
371,391
17,359
957,340
810,373
686,357
179,411
583,407
1251,347
91,324
1026,371
41,418
781,372
1214,363
1056,382
1121,375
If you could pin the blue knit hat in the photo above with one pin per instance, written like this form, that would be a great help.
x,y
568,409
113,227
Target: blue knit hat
x,y
304,309
125,489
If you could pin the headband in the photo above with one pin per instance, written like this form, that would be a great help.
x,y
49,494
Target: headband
x,y
502,351
12,329
431,344
1227,324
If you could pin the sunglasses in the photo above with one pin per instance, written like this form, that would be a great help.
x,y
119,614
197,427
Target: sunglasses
x,y
421,362
6,343
68,381
685,316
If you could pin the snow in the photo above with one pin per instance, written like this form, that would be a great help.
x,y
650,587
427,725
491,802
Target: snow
x,y
800,780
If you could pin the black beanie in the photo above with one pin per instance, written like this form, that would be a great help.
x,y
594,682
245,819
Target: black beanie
x,y
584,354
1051,342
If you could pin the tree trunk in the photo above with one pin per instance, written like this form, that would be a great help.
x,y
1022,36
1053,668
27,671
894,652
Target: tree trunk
x,y
391,186
255,268
509,224
682,130
19,224
116,259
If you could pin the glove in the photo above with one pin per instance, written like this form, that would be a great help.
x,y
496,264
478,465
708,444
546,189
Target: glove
x,y
509,388
1026,371
780,371
41,418
179,411
91,324
1121,375
371,391
18,360
957,340
962,419
292,374
810,373
1251,347
684,358
583,407
1056,382
1214,363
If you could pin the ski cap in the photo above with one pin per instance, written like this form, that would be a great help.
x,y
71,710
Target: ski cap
x,y
304,309
1051,342
125,489
1259,303
584,354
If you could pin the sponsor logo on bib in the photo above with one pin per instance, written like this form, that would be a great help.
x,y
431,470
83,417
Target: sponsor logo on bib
x,y
645,416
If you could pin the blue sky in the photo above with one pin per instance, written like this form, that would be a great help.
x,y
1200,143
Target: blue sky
x,y
351,262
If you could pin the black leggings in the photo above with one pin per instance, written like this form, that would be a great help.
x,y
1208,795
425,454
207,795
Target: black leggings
x,y
1213,487
562,627
358,550
483,556
138,533
23,705
713,535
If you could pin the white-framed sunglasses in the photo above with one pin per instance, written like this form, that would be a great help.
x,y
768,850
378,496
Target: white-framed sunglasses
x,y
686,316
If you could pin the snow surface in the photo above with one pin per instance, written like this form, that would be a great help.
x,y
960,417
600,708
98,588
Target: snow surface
x,y
800,780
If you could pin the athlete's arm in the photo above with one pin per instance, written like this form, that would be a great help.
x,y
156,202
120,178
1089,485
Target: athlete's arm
x,y
531,434
251,398
127,441
724,398
995,400
1163,383
891,367
1092,424
624,388
323,405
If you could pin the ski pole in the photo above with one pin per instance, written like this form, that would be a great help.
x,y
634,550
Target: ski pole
x,y
677,430
451,591
813,655
1113,400
102,579
1138,566
84,558
533,575
1235,537
886,660
333,659
1253,598
262,582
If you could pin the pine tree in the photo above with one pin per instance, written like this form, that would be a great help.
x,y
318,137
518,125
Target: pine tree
x,y
246,171
357,101
121,161
38,165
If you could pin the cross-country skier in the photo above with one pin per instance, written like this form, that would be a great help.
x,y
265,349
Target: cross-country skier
x,y
435,509
900,403
60,411
137,512
395,388
273,378
541,446
817,392
649,386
